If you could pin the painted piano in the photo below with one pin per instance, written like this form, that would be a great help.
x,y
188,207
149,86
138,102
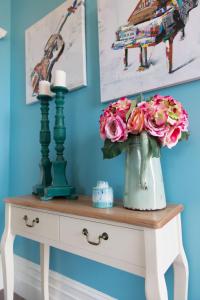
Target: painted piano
x,y
153,22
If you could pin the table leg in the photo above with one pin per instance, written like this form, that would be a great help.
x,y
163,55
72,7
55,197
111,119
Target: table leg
x,y
155,285
44,264
8,257
181,271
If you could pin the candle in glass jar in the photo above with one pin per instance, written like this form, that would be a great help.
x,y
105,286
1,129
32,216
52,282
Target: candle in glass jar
x,y
60,78
44,88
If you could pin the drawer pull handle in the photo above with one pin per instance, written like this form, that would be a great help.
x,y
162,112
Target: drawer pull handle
x,y
103,236
35,221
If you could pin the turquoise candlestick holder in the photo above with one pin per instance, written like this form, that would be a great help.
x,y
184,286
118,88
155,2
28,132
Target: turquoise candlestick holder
x,y
45,139
59,186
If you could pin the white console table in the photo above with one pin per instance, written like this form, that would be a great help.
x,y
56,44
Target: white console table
x,y
142,243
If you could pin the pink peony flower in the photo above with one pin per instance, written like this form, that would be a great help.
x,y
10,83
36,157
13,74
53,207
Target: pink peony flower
x,y
159,101
153,126
164,100
144,106
135,123
108,112
172,137
123,104
102,123
162,117
115,129
183,121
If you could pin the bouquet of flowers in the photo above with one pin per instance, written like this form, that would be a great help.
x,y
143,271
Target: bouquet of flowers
x,y
163,118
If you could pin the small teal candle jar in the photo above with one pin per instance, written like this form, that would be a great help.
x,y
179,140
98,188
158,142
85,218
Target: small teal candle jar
x,y
102,196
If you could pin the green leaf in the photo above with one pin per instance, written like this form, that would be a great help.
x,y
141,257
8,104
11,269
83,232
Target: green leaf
x,y
133,105
154,147
185,136
140,98
111,150
149,99
128,142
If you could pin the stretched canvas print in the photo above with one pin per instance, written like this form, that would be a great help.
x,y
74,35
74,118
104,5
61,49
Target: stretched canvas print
x,y
147,44
57,42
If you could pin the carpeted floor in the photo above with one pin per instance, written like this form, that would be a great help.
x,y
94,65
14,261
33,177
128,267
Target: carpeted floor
x,y
16,297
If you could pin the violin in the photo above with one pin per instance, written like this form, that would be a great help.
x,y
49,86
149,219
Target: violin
x,y
52,52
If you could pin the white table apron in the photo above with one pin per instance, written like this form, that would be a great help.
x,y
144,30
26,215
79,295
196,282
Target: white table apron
x,y
139,250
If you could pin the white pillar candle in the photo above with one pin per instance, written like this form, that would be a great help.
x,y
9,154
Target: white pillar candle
x,y
2,33
44,88
60,78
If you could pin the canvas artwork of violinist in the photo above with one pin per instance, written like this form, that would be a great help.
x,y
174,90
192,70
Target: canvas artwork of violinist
x,y
147,44
57,42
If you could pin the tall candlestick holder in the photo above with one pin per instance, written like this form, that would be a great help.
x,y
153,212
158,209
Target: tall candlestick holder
x,y
45,139
59,186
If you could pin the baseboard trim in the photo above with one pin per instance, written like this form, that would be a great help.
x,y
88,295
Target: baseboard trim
x,y
27,284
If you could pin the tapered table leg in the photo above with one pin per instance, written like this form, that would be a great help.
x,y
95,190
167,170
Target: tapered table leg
x,y
44,265
155,285
181,271
8,257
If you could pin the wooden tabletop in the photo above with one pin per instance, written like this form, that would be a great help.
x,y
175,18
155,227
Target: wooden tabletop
x,y
83,207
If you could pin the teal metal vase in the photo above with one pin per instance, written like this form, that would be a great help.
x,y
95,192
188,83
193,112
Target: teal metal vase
x,y
144,188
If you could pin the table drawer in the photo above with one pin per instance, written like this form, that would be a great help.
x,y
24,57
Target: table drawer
x,y
37,223
123,243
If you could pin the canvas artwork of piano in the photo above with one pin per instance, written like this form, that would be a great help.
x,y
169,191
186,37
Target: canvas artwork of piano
x,y
57,42
147,44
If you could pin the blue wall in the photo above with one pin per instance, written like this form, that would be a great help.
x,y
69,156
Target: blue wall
x,y
180,165
5,103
